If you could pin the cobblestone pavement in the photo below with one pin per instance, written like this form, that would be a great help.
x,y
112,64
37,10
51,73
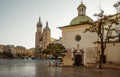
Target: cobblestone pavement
x,y
39,68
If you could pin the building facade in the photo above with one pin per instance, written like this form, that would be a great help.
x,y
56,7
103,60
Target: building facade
x,y
9,50
1,48
42,38
80,45
30,52
20,51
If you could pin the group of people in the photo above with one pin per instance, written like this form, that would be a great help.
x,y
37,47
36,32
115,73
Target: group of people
x,y
55,63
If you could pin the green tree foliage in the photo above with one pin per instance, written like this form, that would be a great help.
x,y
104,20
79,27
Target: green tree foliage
x,y
55,49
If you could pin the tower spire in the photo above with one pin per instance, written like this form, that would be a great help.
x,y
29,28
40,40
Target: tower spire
x,y
47,27
39,24
81,1
47,23
39,19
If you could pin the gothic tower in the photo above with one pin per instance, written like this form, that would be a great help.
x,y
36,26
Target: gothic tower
x,y
38,37
42,38
46,36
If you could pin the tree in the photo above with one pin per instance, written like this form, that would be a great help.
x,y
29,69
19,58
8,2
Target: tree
x,y
55,49
103,28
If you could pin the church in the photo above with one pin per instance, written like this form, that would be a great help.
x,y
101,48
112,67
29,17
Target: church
x,y
42,38
81,47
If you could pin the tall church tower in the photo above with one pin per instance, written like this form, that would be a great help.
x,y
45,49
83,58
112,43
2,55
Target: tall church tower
x,y
42,38
46,36
38,37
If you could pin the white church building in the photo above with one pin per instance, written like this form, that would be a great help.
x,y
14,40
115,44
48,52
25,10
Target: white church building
x,y
81,47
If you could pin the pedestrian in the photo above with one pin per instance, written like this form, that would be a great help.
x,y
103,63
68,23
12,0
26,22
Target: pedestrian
x,y
49,64
56,63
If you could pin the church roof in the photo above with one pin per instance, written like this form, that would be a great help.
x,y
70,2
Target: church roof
x,y
81,5
81,19
39,24
75,25
47,27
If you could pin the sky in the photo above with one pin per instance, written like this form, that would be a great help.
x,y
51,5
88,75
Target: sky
x,y
18,18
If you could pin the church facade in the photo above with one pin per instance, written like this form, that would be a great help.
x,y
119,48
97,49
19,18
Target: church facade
x,y
81,47
42,37
76,41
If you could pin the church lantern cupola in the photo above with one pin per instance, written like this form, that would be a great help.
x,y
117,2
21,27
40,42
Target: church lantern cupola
x,y
82,17
81,9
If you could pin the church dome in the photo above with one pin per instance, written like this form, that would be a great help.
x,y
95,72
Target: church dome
x,y
81,19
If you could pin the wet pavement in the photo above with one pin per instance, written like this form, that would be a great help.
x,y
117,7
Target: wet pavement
x,y
40,68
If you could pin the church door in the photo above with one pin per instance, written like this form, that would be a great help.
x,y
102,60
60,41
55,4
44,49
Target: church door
x,y
104,59
78,60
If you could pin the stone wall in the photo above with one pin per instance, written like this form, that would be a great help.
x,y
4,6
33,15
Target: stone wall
x,y
112,53
90,55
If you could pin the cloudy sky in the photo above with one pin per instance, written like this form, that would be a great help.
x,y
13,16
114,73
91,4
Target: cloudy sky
x,y
18,18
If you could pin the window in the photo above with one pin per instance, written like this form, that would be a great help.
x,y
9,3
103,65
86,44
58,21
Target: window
x,y
77,38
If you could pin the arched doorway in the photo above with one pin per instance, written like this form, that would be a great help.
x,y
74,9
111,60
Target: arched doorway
x,y
78,58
